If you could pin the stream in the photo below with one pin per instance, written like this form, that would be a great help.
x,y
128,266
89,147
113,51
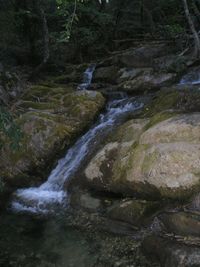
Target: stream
x,y
38,228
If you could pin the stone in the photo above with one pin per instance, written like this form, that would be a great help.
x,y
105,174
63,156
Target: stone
x,y
162,160
50,119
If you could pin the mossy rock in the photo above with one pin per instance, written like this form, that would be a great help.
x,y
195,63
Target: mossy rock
x,y
175,99
51,119
39,105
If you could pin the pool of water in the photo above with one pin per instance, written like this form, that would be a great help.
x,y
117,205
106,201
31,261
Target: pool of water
x,y
31,241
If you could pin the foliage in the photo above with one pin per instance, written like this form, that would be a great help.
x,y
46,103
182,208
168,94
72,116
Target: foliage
x,y
89,27
9,129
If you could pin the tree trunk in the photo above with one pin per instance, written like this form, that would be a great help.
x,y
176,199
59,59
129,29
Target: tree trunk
x,y
45,35
193,30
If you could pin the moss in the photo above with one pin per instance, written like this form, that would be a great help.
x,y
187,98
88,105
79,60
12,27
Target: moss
x,y
159,117
59,114
119,169
39,105
39,91
163,101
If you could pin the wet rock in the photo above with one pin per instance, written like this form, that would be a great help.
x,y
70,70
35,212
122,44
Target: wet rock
x,y
163,160
181,223
171,253
136,212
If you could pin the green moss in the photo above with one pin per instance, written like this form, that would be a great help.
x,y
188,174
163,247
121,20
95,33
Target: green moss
x,y
39,91
39,105
163,101
159,117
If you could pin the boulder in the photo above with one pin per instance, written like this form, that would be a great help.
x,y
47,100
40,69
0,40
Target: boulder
x,y
159,160
50,118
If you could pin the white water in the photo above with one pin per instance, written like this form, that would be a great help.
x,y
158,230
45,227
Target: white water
x,y
87,77
51,194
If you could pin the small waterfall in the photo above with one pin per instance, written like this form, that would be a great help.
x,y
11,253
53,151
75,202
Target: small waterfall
x,y
51,194
87,77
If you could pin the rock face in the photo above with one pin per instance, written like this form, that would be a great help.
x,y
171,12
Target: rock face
x,y
50,118
155,161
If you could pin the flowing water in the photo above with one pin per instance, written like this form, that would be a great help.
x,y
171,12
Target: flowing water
x,y
87,77
51,194
34,233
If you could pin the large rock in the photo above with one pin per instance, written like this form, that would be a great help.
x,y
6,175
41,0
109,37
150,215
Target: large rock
x,y
50,118
161,160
